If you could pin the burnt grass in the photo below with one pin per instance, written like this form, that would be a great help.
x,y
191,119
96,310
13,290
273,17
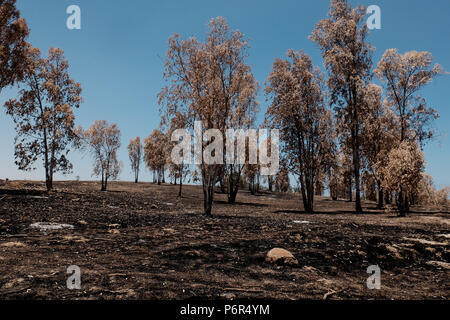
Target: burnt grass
x,y
139,241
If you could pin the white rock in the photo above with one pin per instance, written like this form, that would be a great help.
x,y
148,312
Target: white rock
x,y
44,226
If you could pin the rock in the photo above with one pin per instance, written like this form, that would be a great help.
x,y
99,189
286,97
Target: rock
x,y
439,264
44,226
301,222
278,255
114,231
114,225
2,221
82,222
154,206
37,197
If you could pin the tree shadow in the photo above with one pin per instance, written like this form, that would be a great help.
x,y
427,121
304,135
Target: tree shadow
x,y
22,192
250,204
336,212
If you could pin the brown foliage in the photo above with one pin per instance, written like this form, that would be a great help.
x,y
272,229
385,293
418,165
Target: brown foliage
x,y
402,172
13,47
210,82
156,153
298,111
44,115
404,75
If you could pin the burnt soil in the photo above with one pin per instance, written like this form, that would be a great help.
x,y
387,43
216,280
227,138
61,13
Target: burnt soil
x,y
139,241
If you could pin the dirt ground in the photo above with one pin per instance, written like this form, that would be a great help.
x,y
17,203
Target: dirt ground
x,y
142,242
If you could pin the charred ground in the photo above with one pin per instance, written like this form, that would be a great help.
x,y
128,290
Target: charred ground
x,y
139,241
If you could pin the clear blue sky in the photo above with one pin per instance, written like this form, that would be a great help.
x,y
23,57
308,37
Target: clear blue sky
x,y
119,52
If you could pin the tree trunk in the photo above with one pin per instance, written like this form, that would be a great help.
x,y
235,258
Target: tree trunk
x,y
350,191
356,164
233,187
380,197
232,196
304,191
48,179
105,184
403,203
208,195
387,198
258,182
181,182
49,183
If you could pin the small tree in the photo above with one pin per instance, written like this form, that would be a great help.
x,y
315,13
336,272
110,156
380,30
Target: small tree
x,y
282,181
427,194
155,149
104,141
135,154
178,171
44,115
13,45
402,173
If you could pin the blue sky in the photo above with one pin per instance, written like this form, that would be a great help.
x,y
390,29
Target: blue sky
x,y
118,57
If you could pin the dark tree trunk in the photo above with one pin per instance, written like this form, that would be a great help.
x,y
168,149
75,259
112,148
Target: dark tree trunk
x,y
208,195
403,203
49,181
358,207
350,191
105,184
232,196
380,198
307,190
233,187
181,182
387,198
